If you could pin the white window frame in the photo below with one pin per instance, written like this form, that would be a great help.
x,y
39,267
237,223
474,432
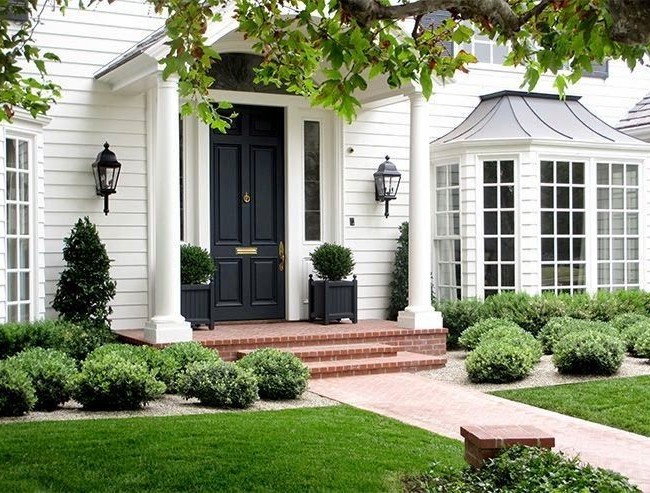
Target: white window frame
x,y
321,126
449,235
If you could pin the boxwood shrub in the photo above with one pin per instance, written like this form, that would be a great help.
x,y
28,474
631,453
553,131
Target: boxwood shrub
x,y
180,355
496,361
280,375
158,362
642,344
522,469
459,316
52,375
556,328
471,336
219,384
111,381
631,334
516,336
588,352
17,395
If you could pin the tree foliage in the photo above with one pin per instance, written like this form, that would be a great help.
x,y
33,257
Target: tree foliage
x,y
328,50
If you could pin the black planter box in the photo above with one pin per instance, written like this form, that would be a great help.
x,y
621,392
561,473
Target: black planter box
x,y
332,300
196,304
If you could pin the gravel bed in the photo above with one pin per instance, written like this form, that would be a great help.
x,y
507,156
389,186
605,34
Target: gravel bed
x,y
542,375
168,405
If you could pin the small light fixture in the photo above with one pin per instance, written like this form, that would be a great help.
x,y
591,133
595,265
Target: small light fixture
x,y
106,170
387,180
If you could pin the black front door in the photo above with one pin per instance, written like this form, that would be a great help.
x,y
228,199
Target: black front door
x,y
247,203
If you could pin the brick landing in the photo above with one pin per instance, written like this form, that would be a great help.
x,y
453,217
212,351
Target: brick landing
x,y
342,349
443,408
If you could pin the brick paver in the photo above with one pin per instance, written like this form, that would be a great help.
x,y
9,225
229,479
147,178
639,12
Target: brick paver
x,y
443,408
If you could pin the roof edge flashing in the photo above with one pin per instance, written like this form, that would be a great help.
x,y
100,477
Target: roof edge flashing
x,y
524,94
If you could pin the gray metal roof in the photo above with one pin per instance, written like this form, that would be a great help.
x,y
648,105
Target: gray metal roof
x,y
132,52
639,116
514,114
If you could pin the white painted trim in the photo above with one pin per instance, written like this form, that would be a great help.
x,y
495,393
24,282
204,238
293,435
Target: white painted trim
x,y
151,198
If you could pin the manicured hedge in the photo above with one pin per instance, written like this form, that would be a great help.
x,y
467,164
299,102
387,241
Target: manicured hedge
x,y
183,354
280,375
219,384
470,337
588,352
17,395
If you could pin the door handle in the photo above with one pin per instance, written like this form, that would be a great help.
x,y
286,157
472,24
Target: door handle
x,y
281,255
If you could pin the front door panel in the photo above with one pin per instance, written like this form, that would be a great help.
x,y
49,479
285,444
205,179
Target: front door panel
x,y
247,201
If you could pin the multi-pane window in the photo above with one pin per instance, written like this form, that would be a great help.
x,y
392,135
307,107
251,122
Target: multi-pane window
x,y
18,212
312,159
562,216
486,50
498,226
617,203
447,232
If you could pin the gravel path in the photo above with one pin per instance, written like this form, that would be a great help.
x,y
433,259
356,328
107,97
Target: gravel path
x,y
169,405
543,374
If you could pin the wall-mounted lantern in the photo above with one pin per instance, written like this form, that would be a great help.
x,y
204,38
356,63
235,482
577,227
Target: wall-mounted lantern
x,y
106,170
387,180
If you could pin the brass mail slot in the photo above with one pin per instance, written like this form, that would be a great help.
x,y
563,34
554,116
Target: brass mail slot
x,y
246,250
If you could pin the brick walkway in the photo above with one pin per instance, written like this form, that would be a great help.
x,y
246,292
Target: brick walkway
x,y
442,408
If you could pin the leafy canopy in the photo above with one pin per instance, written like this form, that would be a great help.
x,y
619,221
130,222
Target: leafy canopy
x,y
328,50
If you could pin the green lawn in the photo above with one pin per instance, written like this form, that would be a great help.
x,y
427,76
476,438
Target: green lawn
x,y
335,448
618,402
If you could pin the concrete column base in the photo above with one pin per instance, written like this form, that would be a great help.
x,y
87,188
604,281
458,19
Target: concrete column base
x,y
161,330
419,319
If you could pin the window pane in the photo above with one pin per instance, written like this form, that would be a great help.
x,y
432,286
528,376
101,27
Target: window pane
x,y
312,226
23,179
441,176
441,200
617,198
618,249
602,175
491,275
632,223
547,223
508,275
499,53
603,198
490,248
562,172
24,312
23,155
312,196
24,286
564,275
455,224
603,248
457,250
548,275
12,286
563,223
12,219
618,273
441,224
563,249
11,185
578,223
507,171
547,172
507,197
548,249
311,134
579,275
618,223
578,173
12,313
482,52
546,197
603,274
578,198
490,172
632,175
508,249
490,223
603,223
12,257
24,253
454,199
632,249
617,174
24,219
453,175
507,223
632,273
578,249
632,199
562,194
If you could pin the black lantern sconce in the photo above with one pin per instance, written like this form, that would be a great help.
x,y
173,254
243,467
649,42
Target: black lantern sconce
x,y
387,180
106,170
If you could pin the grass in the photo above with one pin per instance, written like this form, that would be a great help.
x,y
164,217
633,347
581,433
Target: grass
x,y
619,402
335,448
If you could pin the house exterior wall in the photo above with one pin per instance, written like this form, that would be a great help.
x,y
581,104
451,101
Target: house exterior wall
x,y
86,116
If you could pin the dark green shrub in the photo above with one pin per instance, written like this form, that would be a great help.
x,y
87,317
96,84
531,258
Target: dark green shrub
x,y
633,301
642,344
112,382
606,306
577,305
159,363
85,287
399,284
458,316
219,384
79,340
557,328
51,373
515,336
17,395
515,307
541,309
197,265
280,375
588,352
499,362
332,262
523,470
180,355
625,320
471,336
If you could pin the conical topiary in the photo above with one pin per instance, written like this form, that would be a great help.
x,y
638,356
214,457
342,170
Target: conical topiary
x,y
399,285
85,287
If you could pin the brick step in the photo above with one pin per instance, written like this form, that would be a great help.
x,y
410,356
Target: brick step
x,y
335,352
401,362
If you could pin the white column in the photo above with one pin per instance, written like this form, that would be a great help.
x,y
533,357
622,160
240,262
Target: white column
x,y
419,314
167,323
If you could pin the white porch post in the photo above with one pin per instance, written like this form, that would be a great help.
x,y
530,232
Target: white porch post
x,y
419,313
167,323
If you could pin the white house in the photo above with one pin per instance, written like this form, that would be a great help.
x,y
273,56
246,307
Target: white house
x,y
303,177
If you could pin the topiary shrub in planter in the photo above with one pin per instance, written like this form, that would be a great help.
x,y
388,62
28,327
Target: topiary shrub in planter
x,y
588,353
17,395
496,361
219,384
52,375
112,382
182,354
471,336
332,298
85,287
280,375
197,271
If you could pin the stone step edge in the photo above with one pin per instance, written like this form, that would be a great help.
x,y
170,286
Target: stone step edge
x,y
324,351
330,337
401,360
